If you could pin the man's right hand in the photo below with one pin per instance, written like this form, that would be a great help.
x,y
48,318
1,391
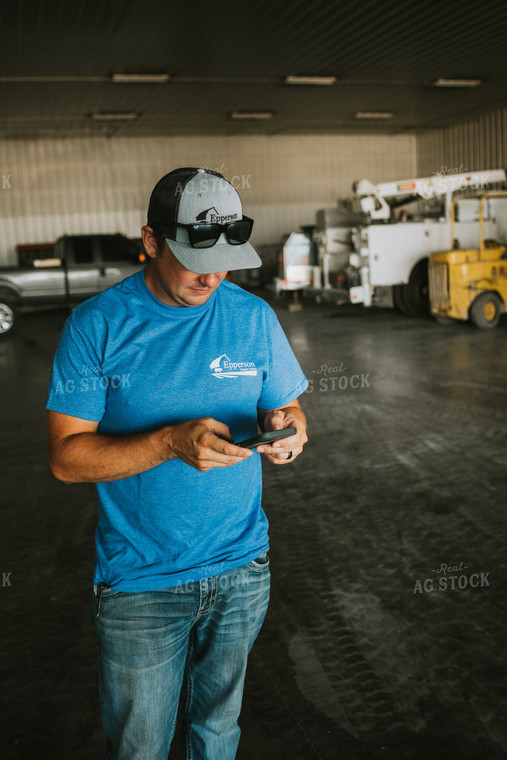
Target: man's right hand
x,y
196,442
79,454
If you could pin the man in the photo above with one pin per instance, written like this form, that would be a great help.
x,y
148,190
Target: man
x,y
153,381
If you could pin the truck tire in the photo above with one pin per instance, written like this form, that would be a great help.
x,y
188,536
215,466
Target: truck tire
x,y
399,299
8,316
416,294
486,310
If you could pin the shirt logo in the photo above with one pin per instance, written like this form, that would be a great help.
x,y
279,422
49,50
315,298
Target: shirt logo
x,y
222,367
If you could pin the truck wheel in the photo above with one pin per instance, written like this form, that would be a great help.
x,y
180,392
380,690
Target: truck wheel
x,y
8,315
400,300
486,310
416,293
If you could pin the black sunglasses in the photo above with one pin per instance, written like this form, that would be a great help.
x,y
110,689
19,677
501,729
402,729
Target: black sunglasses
x,y
205,235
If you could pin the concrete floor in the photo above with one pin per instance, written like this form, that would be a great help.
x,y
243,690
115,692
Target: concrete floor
x,y
385,636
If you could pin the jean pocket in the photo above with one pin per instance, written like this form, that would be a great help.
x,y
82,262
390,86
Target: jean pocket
x,y
100,594
108,592
259,564
102,591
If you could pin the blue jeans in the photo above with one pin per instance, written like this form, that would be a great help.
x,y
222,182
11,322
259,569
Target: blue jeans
x,y
189,642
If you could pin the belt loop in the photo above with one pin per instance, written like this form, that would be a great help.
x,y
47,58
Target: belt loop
x,y
97,590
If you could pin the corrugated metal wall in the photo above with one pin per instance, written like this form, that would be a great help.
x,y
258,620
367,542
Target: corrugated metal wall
x,y
473,144
52,187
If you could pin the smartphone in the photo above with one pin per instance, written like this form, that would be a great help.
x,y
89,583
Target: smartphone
x,y
269,437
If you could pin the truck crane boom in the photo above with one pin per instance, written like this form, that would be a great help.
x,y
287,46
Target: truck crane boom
x,y
373,201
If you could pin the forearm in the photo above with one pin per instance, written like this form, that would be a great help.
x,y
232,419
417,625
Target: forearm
x,y
97,458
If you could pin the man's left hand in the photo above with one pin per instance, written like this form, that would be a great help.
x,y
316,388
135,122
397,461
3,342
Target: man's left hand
x,y
287,449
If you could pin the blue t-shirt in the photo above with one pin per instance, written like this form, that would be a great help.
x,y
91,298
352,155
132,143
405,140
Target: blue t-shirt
x,y
135,364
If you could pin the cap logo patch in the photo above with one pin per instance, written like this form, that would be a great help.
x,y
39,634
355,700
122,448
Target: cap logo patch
x,y
203,216
211,216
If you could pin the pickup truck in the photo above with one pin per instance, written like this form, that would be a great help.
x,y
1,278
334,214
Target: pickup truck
x,y
80,266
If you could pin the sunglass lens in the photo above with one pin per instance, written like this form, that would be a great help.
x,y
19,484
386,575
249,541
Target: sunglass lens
x,y
239,232
204,235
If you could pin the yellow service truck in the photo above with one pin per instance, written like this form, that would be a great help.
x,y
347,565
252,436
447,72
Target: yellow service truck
x,y
470,283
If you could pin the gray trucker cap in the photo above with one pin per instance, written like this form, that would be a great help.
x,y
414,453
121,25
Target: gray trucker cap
x,y
191,195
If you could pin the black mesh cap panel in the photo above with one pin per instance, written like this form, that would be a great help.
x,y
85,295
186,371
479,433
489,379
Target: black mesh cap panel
x,y
165,199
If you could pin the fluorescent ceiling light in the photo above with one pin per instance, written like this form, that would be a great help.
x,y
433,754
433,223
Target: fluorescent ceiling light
x,y
309,80
457,82
251,115
141,78
114,116
374,115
